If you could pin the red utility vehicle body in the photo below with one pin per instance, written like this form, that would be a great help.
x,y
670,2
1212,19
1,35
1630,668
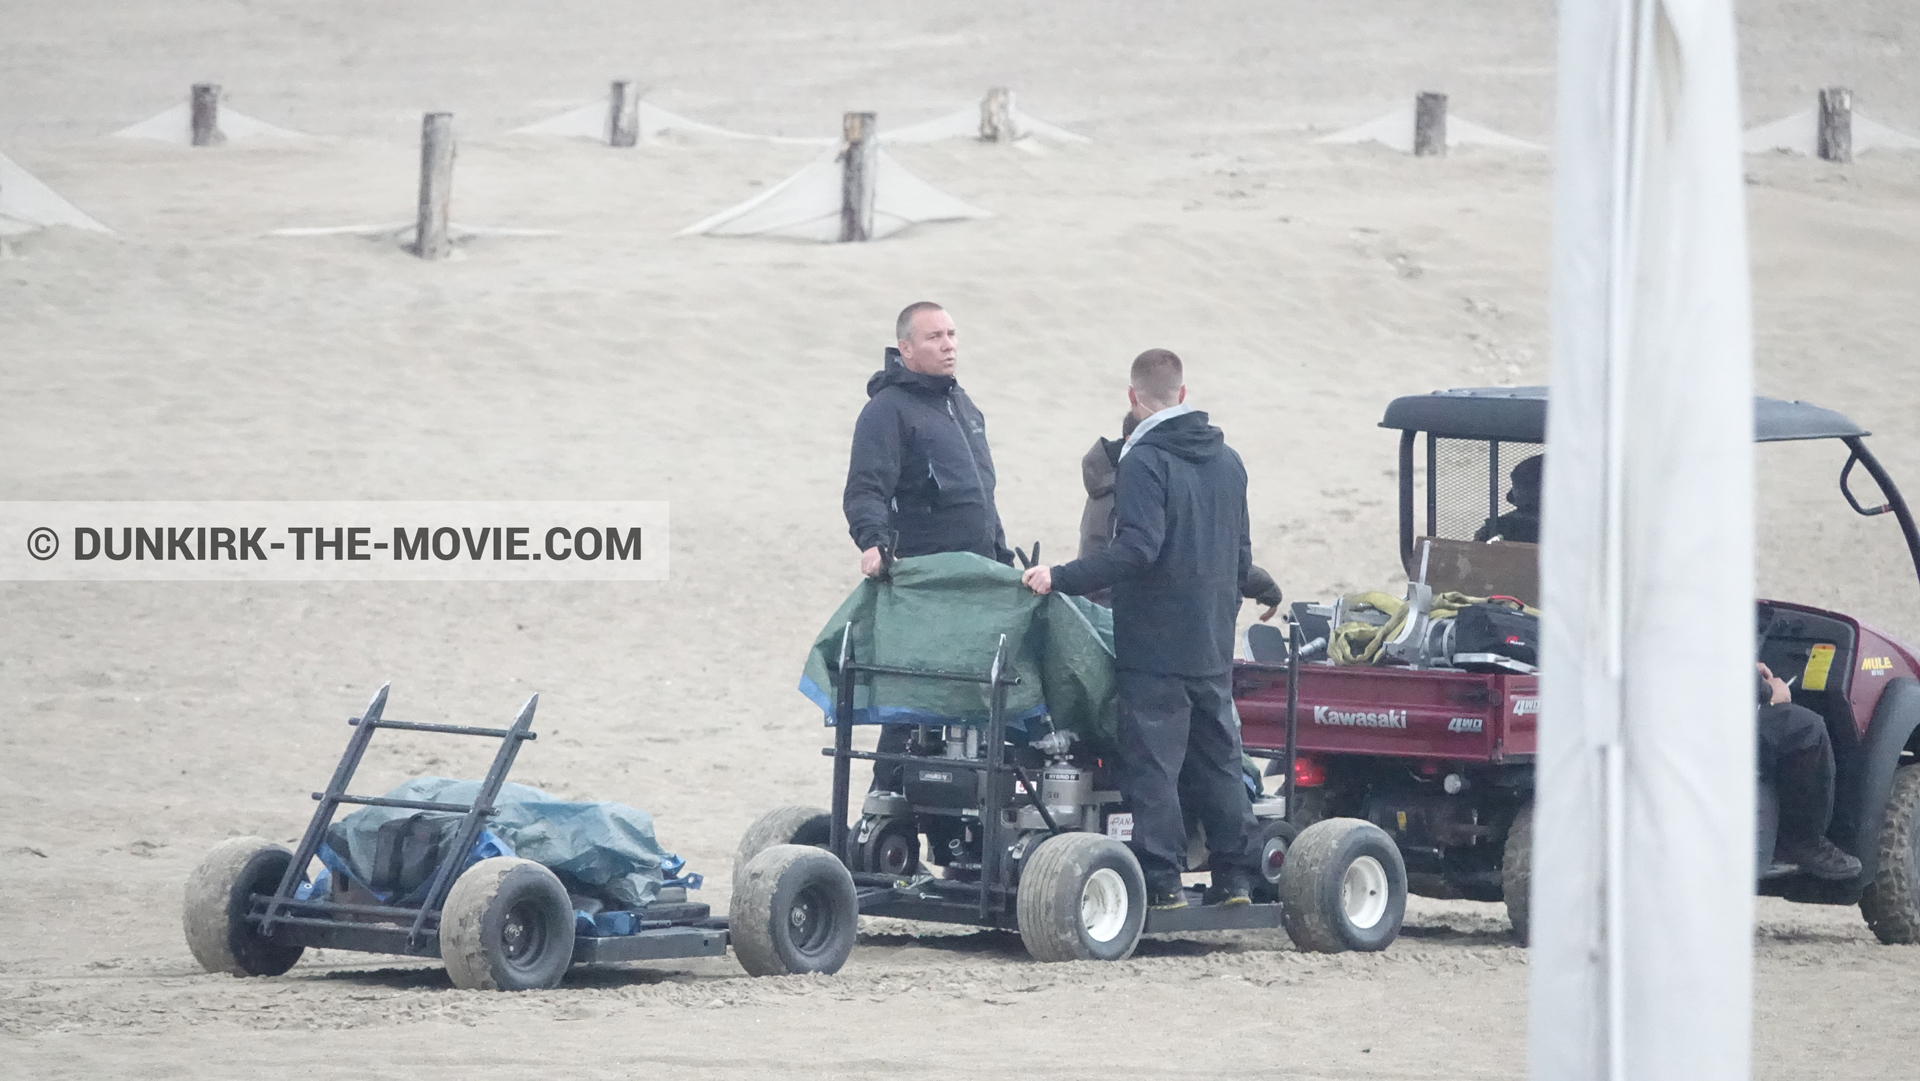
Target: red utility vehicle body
x,y
1431,713
1452,716
1878,659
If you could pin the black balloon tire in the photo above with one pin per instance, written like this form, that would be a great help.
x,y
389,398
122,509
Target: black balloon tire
x,y
507,926
781,826
895,836
1311,887
794,911
218,895
1266,891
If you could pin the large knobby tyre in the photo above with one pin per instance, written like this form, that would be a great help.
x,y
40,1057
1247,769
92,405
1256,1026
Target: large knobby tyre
x,y
507,926
1891,902
1082,898
780,826
794,910
1270,856
1344,887
219,893
1516,871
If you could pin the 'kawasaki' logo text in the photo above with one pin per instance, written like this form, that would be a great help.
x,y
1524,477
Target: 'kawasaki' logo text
x,y
1392,718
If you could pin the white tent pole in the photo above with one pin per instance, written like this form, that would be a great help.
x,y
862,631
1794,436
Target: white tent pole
x,y
1642,871
1632,31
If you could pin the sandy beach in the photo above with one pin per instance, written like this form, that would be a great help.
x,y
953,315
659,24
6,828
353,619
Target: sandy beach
x,y
188,356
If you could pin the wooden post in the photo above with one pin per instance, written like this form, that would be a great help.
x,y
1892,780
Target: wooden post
x,y
623,115
1429,124
996,116
436,185
859,161
1836,124
206,115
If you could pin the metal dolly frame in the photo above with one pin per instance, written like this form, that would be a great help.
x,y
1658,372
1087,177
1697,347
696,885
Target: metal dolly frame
x,y
676,930
992,901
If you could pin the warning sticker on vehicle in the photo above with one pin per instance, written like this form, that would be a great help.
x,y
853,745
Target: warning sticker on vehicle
x,y
1819,663
1120,826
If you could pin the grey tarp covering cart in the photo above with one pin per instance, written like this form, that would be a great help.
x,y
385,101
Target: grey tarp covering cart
x,y
502,923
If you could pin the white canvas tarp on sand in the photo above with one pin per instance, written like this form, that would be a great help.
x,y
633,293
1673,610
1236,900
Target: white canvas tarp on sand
x,y
1394,129
1800,133
26,204
1643,858
175,125
806,205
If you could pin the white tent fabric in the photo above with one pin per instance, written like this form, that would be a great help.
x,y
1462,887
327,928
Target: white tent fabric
x,y
1800,133
1643,863
175,125
965,124
1395,130
806,205
26,204
589,121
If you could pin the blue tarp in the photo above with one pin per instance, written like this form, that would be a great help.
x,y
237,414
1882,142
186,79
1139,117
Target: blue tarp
x,y
603,850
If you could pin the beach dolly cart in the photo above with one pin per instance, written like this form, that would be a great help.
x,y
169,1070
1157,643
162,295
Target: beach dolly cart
x,y
1023,838
500,924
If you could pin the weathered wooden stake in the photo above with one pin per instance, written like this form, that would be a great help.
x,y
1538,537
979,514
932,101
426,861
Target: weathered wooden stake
x,y
1836,124
623,115
436,185
1429,124
859,161
206,115
996,116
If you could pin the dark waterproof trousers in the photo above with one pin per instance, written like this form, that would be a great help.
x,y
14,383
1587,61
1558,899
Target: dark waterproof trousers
x,y
1796,755
1177,737
891,776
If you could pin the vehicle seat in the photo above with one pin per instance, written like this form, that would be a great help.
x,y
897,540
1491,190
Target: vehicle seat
x,y
1266,644
1480,568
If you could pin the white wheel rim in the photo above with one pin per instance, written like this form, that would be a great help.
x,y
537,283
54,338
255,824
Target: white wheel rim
x,y
1103,905
1363,892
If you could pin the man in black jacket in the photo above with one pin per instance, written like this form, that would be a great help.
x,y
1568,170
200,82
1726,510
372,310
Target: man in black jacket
x,y
920,465
1177,566
920,468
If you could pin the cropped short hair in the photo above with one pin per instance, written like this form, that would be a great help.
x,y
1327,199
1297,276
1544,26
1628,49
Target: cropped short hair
x,y
1157,376
903,326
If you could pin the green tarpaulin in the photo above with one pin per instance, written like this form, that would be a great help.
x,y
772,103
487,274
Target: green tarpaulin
x,y
947,612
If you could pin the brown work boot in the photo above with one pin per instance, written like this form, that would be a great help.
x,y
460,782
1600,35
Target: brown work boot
x,y
1819,858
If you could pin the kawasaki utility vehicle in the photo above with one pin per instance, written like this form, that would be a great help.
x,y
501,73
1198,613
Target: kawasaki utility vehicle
x,y
1436,746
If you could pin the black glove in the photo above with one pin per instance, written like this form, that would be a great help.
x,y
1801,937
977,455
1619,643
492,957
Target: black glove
x,y
1261,588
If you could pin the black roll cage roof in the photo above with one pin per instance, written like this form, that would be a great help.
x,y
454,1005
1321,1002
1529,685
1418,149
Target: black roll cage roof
x,y
1519,415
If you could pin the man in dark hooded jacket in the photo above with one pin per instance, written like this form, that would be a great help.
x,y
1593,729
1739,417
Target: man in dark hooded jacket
x,y
920,476
920,465
1177,566
1097,471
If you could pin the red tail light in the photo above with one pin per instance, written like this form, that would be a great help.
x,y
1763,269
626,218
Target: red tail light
x,y
1308,772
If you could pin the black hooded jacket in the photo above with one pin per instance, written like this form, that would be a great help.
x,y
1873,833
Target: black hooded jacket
x,y
1180,554
920,466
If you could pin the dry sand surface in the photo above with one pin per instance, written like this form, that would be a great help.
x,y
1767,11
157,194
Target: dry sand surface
x,y
187,357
